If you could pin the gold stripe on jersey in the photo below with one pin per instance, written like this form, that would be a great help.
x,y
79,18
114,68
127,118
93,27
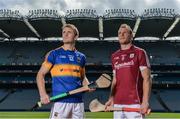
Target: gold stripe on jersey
x,y
67,70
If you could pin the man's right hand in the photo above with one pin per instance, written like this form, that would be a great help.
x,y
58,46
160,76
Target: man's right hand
x,y
45,99
110,102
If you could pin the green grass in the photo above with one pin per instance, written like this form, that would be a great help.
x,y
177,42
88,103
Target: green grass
x,y
45,115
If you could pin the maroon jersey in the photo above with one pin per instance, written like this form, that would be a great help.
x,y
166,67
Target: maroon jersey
x,y
127,66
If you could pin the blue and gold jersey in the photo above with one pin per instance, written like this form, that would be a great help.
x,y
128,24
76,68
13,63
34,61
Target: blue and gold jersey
x,y
67,70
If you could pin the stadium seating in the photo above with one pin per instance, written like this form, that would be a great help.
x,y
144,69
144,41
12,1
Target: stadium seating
x,y
33,53
161,52
97,53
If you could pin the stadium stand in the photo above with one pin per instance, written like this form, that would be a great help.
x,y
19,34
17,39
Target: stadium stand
x,y
33,53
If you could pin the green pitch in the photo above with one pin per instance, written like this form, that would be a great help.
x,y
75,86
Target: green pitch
x,y
45,115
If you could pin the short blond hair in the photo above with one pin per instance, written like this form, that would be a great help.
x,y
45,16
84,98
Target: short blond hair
x,y
73,27
127,27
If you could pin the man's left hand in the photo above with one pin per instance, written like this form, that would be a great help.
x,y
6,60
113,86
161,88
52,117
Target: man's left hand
x,y
144,107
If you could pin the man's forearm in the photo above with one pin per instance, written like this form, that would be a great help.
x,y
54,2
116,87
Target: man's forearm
x,y
41,85
147,83
113,88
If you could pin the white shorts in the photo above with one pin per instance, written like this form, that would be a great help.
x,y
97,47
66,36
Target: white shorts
x,y
127,115
67,111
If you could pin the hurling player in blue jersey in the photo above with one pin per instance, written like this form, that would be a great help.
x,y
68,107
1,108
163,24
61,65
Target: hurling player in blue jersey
x,y
67,68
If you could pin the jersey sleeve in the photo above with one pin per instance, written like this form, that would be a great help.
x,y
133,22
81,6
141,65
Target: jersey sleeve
x,y
143,60
83,63
112,63
49,60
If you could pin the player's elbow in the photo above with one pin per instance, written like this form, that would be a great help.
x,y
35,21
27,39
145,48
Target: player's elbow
x,y
146,74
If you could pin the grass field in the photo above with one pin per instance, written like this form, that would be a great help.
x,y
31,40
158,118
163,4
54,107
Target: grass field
x,y
45,115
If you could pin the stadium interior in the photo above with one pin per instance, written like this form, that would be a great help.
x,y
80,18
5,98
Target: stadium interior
x,y
21,59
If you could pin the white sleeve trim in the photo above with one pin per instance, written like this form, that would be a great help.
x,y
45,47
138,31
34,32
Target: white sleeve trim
x,y
142,68
114,72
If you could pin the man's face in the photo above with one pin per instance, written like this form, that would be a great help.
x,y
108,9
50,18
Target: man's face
x,y
124,36
68,35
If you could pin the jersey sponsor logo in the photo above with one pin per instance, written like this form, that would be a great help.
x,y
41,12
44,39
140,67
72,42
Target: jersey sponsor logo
x,y
62,56
66,70
70,70
124,64
116,58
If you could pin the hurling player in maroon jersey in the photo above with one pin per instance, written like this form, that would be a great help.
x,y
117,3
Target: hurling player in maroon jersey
x,y
131,85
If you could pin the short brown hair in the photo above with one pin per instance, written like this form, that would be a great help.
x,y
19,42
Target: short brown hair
x,y
73,27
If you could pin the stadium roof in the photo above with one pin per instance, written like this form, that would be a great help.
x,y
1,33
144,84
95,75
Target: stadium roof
x,y
85,20
14,27
45,23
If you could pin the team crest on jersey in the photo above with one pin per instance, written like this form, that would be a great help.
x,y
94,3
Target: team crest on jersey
x,y
78,59
71,57
131,55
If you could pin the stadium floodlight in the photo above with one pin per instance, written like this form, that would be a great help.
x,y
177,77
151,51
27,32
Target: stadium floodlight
x,y
81,13
40,13
158,12
119,13
6,13
73,11
16,12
